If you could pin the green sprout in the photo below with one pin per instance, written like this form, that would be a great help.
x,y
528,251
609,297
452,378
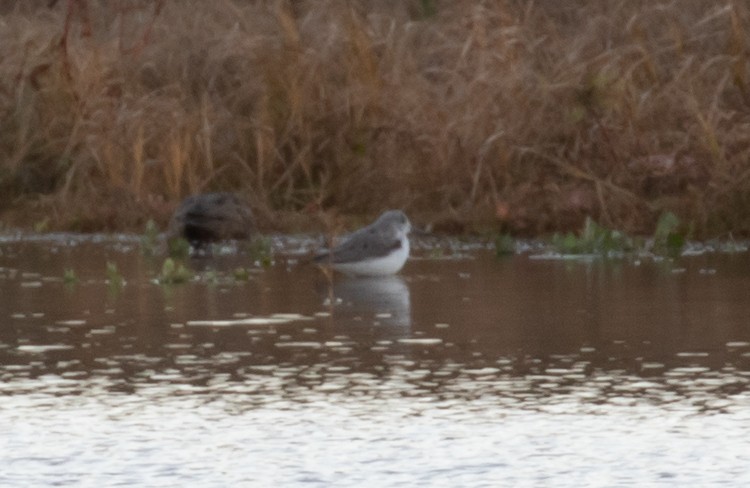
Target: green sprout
x,y
179,248
150,238
668,239
173,272
504,245
594,239
69,276
260,251
241,274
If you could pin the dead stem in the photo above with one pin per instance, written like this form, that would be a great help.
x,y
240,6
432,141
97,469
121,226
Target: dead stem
x,y
548,111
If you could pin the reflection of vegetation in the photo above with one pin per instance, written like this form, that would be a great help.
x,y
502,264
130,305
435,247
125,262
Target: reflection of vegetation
x,y
173,272
114,278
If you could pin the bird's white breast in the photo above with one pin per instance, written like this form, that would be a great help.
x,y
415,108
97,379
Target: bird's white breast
x,y
380,266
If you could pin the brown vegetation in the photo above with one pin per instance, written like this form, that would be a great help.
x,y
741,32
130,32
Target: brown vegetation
x,y
521,116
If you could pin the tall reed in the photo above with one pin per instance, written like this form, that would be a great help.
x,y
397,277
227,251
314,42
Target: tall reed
x,y
524,116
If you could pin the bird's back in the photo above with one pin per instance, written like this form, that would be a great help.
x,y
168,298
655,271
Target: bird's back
x,y
212,217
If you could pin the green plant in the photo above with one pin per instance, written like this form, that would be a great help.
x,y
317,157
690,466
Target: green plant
x,y
210,276
150,238
41,225
436,253
429,9
668,239
69,276
179,248
260,251
241,274
173,272
504,245
593,239
488,110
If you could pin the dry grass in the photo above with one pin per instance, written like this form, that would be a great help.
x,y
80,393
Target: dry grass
x,y
515,115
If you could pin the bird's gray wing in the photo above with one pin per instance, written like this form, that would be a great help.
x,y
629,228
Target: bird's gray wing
x,y
365,243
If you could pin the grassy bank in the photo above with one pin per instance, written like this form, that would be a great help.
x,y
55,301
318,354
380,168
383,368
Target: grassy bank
x,y
516,116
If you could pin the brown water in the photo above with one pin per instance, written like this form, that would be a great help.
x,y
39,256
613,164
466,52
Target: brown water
x,y
464,370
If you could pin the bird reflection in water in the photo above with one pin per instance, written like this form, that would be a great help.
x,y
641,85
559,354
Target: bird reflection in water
x,y
381,299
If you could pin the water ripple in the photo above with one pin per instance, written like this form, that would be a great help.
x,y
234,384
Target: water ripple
x,y
460,372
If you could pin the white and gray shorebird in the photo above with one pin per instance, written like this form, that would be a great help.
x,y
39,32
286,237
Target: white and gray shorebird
x,y
379,249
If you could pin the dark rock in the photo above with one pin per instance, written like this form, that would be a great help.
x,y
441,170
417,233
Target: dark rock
x,y
210,217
